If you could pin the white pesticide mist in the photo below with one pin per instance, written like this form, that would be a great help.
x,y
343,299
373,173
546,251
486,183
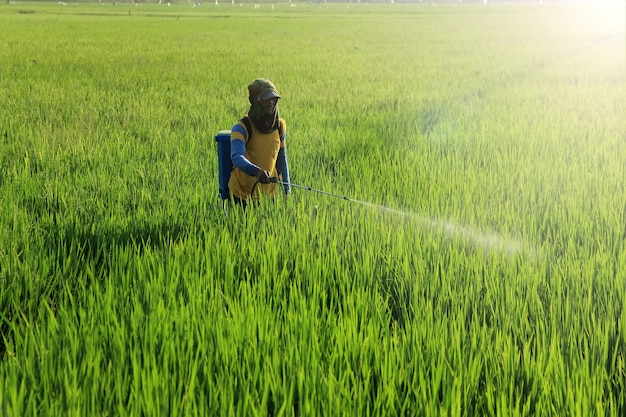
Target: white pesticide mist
x,y
491,242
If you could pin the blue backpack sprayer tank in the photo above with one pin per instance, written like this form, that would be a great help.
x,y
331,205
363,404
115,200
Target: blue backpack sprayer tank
x,y
225,165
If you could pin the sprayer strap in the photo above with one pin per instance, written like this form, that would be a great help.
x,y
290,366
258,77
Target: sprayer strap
x,y
248,125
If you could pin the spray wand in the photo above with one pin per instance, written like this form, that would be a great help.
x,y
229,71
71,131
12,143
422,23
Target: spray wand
x,y
305,187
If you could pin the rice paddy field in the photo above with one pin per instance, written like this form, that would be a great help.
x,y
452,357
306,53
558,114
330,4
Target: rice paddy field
x,y
476,267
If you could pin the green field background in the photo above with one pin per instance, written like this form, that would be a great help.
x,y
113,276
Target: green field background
x,y
479,267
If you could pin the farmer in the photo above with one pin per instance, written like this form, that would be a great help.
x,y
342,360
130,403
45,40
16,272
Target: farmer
x,y
257,147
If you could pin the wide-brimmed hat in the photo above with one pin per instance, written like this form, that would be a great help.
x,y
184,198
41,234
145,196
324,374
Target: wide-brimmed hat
x,y
262,89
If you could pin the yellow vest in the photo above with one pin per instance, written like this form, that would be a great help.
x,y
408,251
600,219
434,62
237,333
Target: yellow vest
x,y
261,150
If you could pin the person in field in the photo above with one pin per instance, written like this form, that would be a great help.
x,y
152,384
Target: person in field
x,y
257,147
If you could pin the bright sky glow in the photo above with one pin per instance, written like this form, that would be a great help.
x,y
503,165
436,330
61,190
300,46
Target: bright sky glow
x,y
609,15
